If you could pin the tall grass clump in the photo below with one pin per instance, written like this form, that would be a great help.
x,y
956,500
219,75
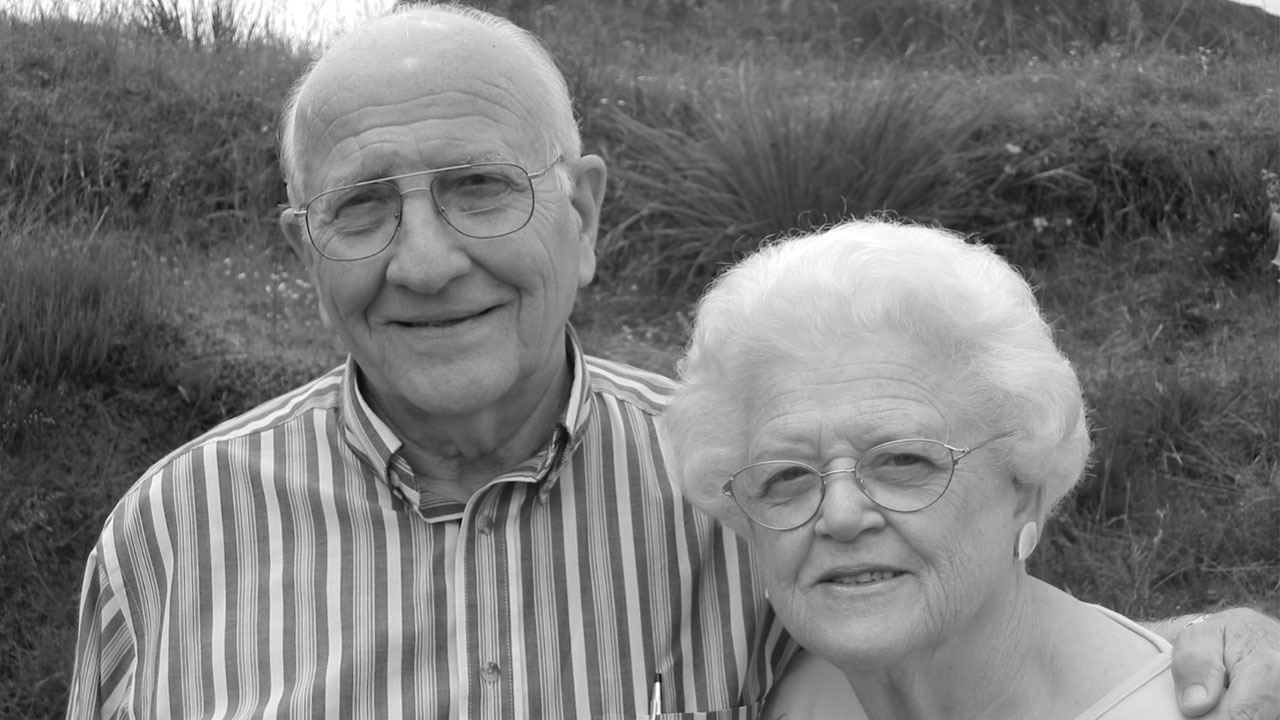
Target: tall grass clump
x,y
770,153
216,23
77,308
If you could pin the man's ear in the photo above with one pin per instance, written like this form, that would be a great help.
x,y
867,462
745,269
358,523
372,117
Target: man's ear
x,y
296,234
588,176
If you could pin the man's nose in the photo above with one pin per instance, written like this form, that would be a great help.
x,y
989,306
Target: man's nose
x,y
427,252
846,511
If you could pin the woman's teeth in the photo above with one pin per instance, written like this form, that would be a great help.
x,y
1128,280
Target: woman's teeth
x,y
864,577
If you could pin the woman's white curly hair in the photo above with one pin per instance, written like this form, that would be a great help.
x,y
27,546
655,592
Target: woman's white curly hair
x,y
804,297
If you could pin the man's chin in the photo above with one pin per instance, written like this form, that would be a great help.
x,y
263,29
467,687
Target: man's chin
x,y
469,390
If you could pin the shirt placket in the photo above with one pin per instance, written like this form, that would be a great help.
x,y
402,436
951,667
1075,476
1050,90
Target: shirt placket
x,y
490,622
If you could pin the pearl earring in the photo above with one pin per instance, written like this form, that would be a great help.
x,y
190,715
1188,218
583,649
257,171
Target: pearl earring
x,y
1028,536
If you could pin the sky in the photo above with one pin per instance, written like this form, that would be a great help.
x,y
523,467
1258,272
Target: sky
x,y
312,18
1271,6
299,19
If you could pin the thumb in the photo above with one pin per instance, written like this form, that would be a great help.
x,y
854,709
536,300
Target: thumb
x,y
1198,669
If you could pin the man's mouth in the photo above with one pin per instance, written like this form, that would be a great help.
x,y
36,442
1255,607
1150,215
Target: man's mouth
x,y
445,322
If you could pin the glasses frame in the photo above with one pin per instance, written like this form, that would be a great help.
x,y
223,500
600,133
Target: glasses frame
x,y
430,188
957,454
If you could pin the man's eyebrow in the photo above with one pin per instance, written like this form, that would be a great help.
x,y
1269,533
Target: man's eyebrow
x,y
358,175
382,172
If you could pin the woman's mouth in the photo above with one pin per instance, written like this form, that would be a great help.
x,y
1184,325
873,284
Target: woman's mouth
x,y
864,577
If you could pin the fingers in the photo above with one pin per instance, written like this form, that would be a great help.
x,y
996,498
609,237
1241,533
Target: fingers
x,y
1199,671
1253,692
1226,666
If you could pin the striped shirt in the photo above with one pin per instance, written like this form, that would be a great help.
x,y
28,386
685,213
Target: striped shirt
x,y
287,564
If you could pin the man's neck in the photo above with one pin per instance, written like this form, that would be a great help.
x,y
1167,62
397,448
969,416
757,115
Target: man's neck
x,y
455,457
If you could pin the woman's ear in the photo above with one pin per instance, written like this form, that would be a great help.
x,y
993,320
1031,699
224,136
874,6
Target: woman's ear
x,y
1028,513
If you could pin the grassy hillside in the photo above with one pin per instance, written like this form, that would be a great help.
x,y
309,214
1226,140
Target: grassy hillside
x,y
1124,153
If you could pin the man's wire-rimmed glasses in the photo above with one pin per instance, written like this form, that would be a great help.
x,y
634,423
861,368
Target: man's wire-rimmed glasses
x,y
480,200
902,475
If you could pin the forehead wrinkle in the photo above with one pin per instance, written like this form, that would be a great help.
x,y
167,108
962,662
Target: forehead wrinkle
x,y
868,429
890,408
365,158
460,54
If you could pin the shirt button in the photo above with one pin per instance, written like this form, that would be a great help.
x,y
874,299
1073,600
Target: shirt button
x,y
490,672
485,525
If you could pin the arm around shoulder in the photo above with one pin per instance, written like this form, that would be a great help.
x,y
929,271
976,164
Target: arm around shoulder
x,y
1226,664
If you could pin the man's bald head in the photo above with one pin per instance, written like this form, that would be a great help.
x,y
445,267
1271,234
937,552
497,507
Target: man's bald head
x,y
429,43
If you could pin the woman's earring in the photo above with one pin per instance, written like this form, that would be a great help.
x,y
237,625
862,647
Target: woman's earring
x,y
1028,536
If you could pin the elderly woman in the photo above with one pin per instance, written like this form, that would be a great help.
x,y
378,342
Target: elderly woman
x,y
882,411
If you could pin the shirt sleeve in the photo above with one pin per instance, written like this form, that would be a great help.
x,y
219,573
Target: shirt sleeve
x,y
103,671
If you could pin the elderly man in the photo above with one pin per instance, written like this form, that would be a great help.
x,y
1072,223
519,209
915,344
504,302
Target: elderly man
x,y
471,518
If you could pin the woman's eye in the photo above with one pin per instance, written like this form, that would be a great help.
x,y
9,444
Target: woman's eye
x,y
787,481
788,474
902,460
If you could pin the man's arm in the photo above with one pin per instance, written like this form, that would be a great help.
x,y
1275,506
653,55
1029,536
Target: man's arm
x,y
1227,663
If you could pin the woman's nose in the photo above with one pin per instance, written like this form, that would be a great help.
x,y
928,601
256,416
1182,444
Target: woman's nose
x,y
846,511
427,252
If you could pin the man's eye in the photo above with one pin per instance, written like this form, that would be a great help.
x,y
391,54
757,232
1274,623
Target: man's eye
x,y
479,185
356,207
359,204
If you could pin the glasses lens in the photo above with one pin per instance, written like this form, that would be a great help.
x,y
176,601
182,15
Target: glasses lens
x,y
779,495
485,200
906,475
353,222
